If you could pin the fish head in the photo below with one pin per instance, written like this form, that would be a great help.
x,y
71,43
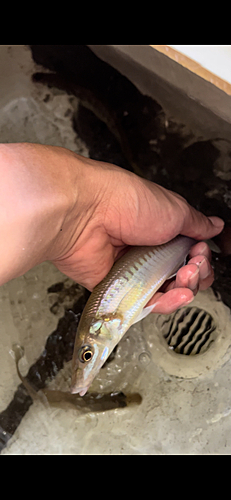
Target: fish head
x,y
94,342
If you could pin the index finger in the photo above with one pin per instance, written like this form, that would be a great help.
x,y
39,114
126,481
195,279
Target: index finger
x,y
200,248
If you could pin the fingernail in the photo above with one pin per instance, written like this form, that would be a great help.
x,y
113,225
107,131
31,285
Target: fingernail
x,y
187,302
203,248
193,280
204,269
216,221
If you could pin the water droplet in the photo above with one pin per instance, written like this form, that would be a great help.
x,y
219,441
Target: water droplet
x,y
144,358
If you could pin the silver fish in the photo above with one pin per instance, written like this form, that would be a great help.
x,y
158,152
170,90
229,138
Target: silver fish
x,y
119,301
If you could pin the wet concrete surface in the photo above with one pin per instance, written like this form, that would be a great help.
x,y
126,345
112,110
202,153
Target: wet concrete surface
x,y
132,131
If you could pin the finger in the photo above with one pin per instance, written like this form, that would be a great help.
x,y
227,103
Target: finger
x,y
188,277
206,283
206,273
201,248
166,303
198,226
196,275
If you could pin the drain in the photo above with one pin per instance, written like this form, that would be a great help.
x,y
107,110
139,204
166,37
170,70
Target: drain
x,y
189,331
194,341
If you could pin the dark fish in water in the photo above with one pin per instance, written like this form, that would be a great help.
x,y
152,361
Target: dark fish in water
x,y
92,402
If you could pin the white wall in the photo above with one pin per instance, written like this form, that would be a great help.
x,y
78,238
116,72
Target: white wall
x,y
215,58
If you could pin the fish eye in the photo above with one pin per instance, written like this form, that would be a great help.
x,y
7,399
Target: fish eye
x,y
86,353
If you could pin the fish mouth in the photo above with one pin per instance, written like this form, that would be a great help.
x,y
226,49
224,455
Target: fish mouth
x,y
79,390
78,385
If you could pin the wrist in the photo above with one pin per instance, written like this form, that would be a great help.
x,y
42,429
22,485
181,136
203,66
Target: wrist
x,y
43,191
83,191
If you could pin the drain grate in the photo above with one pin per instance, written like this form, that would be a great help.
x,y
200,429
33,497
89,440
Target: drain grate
x,y
189,331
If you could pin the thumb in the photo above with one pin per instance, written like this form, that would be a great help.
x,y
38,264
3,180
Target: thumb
x,y
198,226
217,222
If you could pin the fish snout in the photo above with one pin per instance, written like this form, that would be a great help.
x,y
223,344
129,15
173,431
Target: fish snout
x,y
77,384
79,390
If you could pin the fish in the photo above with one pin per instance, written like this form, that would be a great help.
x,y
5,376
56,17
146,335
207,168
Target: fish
x,y
119,301
93,402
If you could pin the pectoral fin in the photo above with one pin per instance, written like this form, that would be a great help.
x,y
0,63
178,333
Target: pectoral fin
x,y
145,311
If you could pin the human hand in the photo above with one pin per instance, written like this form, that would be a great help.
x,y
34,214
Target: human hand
x,y
133,211
82,215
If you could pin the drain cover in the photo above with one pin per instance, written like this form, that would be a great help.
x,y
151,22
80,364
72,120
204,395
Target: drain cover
x,y
189,331
193,341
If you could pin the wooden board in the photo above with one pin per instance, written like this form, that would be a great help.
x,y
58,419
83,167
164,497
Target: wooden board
x,y
194,66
